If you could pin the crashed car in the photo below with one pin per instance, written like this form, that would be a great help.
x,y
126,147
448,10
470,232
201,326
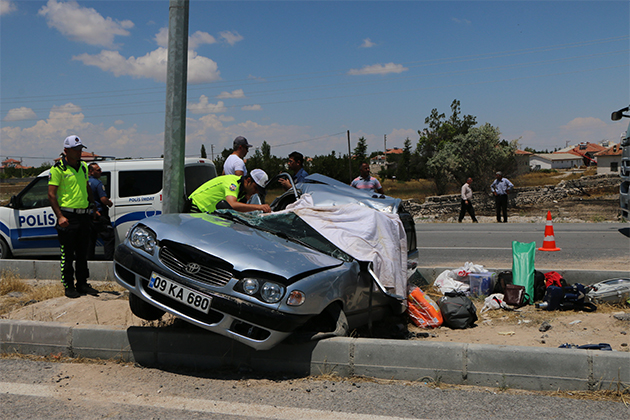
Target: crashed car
x,y
310,272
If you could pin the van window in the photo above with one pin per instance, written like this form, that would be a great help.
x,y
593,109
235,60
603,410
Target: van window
x,y
134,183
35,195
197,175
105,177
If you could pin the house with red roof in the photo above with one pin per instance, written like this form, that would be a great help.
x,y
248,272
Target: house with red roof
x,y
609,160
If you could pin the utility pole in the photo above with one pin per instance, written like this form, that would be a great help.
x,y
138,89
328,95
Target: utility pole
x,y
385,144
349,160
175,122
212,151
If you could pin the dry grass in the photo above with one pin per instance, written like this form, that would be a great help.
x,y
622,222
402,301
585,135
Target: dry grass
x,y
16,292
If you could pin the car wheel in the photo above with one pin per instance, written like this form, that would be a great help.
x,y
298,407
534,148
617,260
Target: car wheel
x,y
332,322
143,309
5,251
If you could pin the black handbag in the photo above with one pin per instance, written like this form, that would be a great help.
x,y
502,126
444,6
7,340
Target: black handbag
x,y
458,311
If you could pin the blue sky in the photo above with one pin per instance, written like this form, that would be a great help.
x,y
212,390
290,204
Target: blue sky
x,y
299,74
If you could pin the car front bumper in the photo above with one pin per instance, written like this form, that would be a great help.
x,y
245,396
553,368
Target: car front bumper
x,y
256,326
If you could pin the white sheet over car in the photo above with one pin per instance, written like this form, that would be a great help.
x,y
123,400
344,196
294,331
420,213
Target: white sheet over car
x,y
363,233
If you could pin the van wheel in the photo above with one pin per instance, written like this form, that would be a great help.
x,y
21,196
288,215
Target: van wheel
x,y
5,251
143,309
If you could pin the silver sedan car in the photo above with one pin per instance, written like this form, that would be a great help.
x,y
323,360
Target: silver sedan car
x,y
257,280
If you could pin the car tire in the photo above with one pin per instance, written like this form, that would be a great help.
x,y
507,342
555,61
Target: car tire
x,y
332,322
143,309
5,251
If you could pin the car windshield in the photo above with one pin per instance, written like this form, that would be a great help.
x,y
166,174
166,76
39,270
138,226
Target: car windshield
x,y
289,226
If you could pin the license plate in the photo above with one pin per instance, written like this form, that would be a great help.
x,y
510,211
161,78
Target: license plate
x,y
180,293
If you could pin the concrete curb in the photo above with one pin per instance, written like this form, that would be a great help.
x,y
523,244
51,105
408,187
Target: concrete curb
x,y
455,363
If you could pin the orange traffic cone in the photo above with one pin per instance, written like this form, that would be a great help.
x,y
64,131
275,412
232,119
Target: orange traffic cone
x,y
549,243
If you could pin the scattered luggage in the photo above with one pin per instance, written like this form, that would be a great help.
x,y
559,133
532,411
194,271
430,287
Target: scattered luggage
x,y
523,267
423,310
600,346
458,311
515,295
610,291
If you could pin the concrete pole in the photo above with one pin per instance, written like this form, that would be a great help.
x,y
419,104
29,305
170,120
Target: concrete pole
x,y
175,125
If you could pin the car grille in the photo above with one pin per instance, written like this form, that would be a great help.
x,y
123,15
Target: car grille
x,y
207,273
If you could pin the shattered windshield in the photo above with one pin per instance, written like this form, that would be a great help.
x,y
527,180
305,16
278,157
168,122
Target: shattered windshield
x,y
289,226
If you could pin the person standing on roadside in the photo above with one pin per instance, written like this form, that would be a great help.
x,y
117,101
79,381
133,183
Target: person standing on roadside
x,y
501,187
101,223
234,164
467,202
296,164
366,182
70,197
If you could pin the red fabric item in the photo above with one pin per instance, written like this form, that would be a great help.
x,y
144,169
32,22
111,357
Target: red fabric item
x,y
552,278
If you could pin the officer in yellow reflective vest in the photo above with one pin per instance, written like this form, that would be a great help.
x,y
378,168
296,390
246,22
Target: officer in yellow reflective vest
x,y
229,192
70,196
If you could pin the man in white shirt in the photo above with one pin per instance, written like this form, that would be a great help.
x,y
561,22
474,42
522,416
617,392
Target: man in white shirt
x,y
467,202
501,187
234,164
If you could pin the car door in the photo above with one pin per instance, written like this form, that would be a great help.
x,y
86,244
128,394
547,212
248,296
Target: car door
x,y
32,224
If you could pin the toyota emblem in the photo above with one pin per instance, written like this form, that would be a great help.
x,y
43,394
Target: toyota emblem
x,y
192,268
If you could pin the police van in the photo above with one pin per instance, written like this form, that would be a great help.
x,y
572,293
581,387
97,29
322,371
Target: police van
x,y
27,223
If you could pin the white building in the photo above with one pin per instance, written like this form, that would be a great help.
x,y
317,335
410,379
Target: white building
x,y
609,160
540,161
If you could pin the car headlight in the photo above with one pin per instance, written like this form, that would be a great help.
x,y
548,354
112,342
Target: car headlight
x,y
143,238
271,292
250,286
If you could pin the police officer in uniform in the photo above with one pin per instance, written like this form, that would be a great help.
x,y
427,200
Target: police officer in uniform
x,y
230,192
70,197
101,223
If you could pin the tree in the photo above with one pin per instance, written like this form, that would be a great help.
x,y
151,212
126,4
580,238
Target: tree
x,y
402,171
360,152
440,132
477,154
203,152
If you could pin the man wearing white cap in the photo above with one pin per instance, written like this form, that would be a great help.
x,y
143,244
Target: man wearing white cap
x,y
70,196
230,192
234,164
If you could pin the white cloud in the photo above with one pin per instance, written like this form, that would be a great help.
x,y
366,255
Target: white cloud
x,y
461,21
7,7
238,93
84,24
194,41
45,137
378,69
204,107
367,43
152,65
19,114
119,122
231,37
252,108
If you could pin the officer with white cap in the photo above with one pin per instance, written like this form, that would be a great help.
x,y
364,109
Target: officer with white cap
x,y
70,196
230,192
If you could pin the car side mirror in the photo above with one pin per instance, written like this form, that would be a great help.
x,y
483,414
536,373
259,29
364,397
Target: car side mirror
x,y
14,202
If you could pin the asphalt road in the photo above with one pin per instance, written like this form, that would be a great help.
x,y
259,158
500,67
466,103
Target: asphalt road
x,y
42,390
584,246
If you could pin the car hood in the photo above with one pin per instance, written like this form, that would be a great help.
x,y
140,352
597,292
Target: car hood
x,y
244,247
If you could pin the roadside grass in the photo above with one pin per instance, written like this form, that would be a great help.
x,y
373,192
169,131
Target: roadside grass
x,y
16,292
